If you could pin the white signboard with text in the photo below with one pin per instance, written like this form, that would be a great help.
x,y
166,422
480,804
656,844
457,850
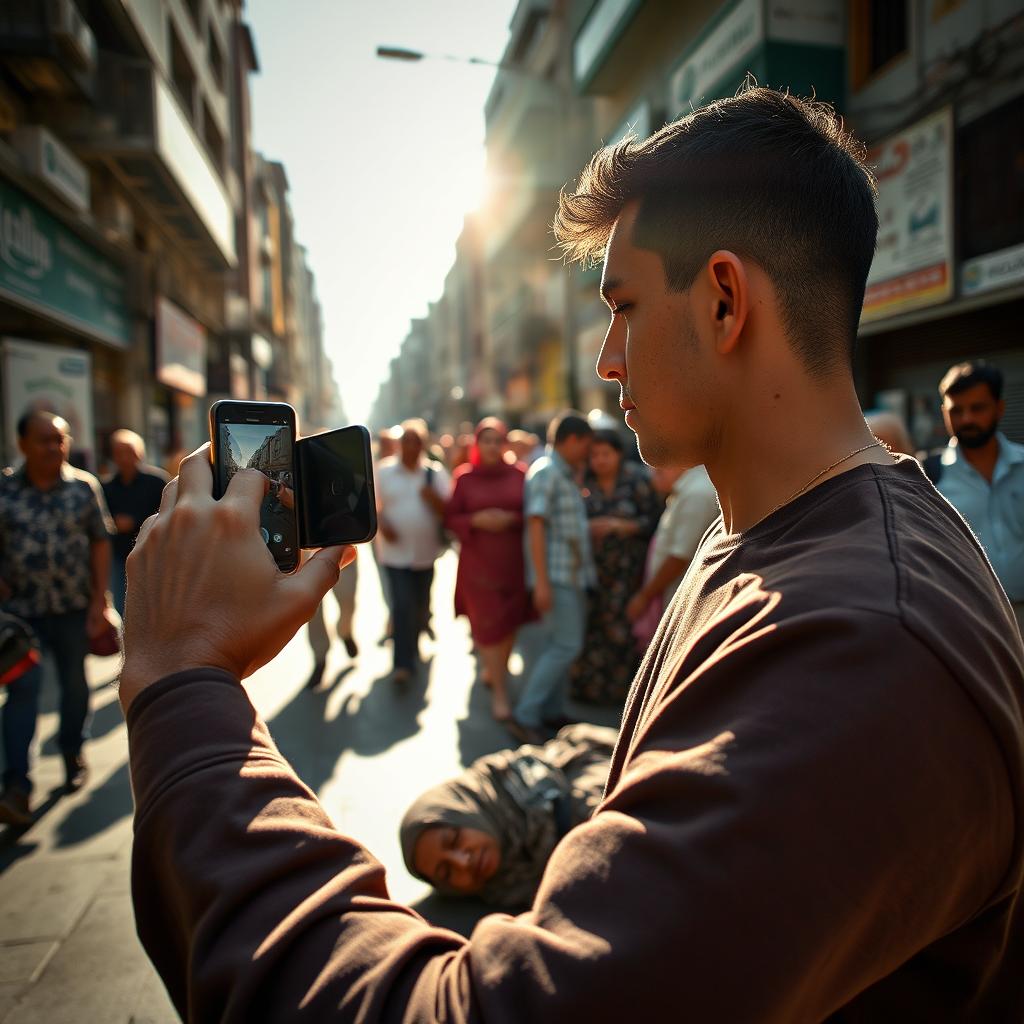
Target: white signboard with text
x,y
994,270
47,378
913,264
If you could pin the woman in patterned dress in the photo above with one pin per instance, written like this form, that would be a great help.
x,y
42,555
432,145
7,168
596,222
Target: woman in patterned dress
x,y
623,509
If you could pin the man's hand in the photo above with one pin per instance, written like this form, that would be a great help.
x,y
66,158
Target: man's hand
x,y
387,531
95,618
124,523
637,605
543,598
204,590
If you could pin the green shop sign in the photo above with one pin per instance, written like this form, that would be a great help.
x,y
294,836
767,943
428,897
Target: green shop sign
x,y
48,270
796,44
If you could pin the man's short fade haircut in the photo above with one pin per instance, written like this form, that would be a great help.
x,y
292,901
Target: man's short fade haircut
x,y
769,176
966,375
568,424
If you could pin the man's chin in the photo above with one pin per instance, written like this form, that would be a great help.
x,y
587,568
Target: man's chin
x,y
976,440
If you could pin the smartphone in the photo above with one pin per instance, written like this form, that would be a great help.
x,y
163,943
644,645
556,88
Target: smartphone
x,y
261,435
336,497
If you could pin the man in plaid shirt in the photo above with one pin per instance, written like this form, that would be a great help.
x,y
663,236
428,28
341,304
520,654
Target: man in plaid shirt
x,y
559,569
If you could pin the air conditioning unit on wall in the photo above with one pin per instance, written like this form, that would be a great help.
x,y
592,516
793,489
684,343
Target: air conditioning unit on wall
x,y
72,33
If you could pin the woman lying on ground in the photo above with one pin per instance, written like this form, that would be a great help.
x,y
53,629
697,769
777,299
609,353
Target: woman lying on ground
x,y
489,831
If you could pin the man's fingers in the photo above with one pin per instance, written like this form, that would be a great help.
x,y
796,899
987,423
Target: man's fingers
x,y
247,489
321,572
147,524
169,496
195,477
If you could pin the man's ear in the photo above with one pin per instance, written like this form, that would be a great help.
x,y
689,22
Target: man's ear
x,y
728,298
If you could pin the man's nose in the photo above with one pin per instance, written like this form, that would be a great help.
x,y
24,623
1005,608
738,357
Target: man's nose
x,y
611,362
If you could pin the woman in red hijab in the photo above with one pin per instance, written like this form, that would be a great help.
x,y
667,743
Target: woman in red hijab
x,y
485,512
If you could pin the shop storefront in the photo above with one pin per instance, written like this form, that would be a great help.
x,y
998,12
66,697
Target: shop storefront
x,y
65,322
947,283
178,414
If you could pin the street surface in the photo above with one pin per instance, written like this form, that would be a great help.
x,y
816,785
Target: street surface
x,y
68,950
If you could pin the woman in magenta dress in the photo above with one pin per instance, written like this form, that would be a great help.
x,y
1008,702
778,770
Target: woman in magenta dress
x,y
485,512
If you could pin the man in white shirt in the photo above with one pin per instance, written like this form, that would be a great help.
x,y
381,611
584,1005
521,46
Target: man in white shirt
x,y
692,507
982,471
411,495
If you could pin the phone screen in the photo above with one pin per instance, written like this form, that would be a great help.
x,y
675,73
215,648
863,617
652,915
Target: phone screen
x,y
337,488
258,438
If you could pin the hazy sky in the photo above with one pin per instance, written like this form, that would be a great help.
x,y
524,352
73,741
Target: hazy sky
x,y
383,158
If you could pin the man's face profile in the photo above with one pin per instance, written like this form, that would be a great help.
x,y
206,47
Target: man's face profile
x,y
972,416
651,350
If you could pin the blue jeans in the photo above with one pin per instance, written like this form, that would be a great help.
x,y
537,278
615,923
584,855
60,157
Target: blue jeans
x,y
410,610
19,726
559,641
64,638
118,583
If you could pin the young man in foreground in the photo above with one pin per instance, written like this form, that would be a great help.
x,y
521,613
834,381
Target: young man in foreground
x,y
814,806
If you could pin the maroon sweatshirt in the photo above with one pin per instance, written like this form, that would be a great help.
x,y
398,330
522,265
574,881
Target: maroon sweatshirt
x,y
814,812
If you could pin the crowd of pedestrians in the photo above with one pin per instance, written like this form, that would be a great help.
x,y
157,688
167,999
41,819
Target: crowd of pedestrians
x,y
570,553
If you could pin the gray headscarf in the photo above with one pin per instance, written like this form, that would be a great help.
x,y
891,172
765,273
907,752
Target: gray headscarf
x,y
526,798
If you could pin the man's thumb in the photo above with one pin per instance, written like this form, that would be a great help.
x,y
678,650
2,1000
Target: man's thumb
x,y
321,572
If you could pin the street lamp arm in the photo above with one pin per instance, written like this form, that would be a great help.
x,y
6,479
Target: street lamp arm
x,y
410,56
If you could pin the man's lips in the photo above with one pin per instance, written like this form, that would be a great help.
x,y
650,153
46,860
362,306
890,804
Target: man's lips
x,y
625,404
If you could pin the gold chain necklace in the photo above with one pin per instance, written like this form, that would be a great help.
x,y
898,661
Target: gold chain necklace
x,y
814,479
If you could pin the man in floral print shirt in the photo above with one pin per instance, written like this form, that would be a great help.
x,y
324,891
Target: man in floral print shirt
x,y
54,562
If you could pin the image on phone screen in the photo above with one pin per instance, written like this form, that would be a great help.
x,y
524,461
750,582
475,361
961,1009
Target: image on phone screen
x,y
268,448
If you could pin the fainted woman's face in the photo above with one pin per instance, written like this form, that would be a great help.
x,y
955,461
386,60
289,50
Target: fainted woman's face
x,y
459,860
489,444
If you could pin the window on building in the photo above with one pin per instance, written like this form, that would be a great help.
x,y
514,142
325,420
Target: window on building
x,y
990,181
182,75
195,8
879,35
215,57
213,138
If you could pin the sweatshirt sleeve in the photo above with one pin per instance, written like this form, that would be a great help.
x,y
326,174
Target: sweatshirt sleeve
x,y
774,846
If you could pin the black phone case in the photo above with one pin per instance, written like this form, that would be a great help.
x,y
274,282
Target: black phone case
x,y
309,535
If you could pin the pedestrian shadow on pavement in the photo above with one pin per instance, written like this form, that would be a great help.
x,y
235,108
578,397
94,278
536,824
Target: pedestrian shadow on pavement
x,y
366,723
106,805
104,720
479,733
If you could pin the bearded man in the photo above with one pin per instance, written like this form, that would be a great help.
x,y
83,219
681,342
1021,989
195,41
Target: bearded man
x,y
982,473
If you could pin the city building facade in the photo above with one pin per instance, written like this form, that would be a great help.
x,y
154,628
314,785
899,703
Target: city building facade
x,y
934,87
132,256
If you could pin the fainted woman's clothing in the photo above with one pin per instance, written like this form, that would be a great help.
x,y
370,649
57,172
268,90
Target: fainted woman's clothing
x,y
527,799
604,671
490,587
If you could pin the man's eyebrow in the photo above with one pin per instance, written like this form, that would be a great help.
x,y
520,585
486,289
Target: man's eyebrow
x,y
608,286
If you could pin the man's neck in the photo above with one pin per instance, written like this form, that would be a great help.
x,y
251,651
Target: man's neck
x,y
983,459
128,475
42,482
790,443
412,465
